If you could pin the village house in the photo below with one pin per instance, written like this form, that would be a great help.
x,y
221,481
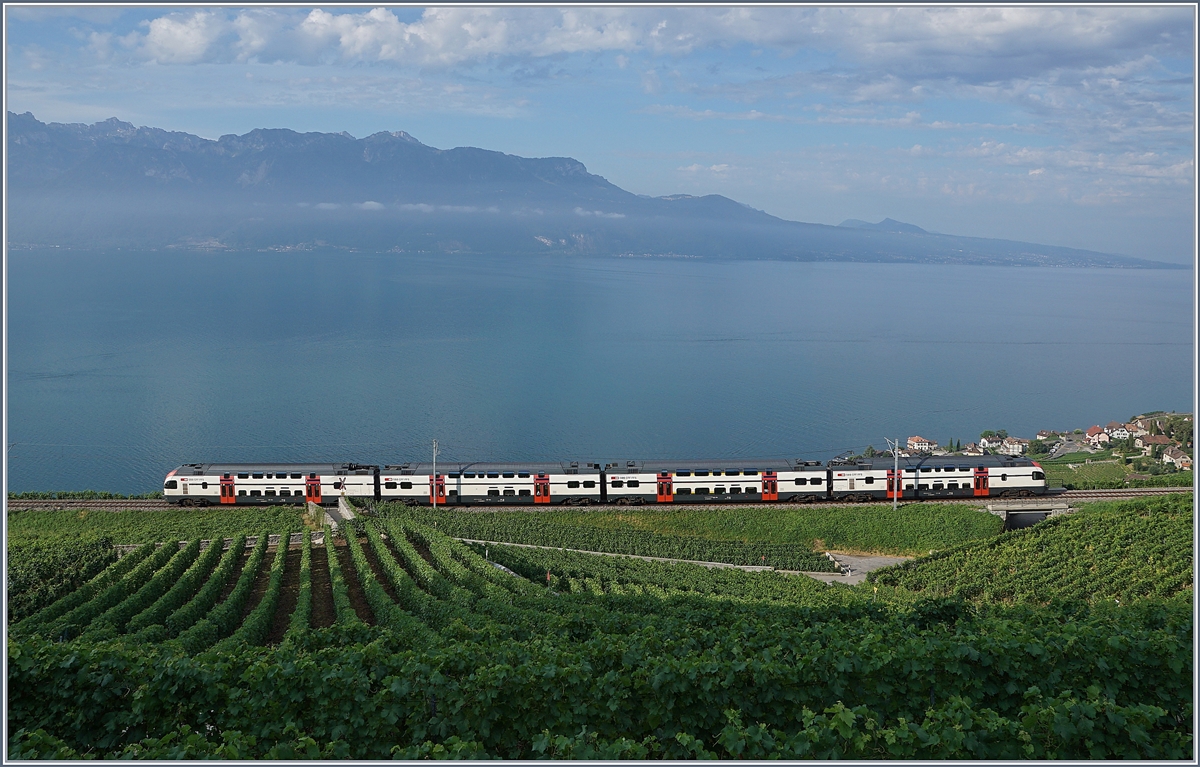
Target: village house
x,y
1175,456
921,445
1014,446
991,443
972,449
1151,441
1135,430
1047,436
1116,430
1096,436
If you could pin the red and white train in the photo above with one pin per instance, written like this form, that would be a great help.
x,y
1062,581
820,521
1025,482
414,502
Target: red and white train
x,y
633,482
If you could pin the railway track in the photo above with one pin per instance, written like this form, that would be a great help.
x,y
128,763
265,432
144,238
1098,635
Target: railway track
x,y
1068,495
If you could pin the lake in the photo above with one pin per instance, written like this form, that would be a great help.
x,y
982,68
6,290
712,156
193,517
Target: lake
x,y
122,365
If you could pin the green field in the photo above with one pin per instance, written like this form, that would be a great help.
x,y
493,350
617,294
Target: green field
x,y
126,527
399,642
913,529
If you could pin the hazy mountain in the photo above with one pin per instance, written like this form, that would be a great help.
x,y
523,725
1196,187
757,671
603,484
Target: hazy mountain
x,y
112,184
886,225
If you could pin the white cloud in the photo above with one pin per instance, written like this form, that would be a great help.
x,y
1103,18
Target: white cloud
x,y
369,205
182,39
597,213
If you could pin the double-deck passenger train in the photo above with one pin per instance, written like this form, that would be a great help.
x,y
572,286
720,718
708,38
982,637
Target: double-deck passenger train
x,y
631,482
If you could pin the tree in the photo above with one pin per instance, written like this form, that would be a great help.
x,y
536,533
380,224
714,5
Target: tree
x,y
1002,434
987,434
870,452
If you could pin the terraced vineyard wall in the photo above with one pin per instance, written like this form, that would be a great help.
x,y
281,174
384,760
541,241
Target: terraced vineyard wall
x,y
400,642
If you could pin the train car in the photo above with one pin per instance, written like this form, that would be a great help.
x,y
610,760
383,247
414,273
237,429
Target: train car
x,y
936,477
493,484
268,484
715,481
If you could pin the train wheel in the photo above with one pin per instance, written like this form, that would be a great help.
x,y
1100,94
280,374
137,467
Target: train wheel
x,y
187,502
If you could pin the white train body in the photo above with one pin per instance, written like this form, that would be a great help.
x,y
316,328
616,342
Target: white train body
x,y
631,482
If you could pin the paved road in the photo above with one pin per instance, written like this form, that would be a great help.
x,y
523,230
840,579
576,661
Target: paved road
x,y
856,567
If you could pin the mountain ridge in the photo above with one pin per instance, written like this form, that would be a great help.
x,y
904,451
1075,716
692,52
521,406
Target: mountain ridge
x,y
111,183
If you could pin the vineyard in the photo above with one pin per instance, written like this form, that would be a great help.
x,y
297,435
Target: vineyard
x,y
1116,551
731,535
393,640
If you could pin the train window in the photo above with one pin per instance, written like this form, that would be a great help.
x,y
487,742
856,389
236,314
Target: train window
x,y
296,475
241,492
270,491
614,483
452,476
575,483
752,490
908,486
735,491
683,474
494,491
310,476
719,490
285,491
1003,477
716,472
255,492
453,492
243,476
469,475
390,485
257,476
732,472
750,472
633,483
204,485
406,486
801,481
683,491
937,485
337,485
816,481
702,491
523,491
509,491
523,475
869,480
171,484
924,486
951,485
1038,475
702,474
493,475
589,483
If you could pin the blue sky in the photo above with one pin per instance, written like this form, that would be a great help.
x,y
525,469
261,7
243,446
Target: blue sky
x,y
1061,125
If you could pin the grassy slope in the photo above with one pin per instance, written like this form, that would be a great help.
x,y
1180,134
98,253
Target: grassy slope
x,y
913,529
141,526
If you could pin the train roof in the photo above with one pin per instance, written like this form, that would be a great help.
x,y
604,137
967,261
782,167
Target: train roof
x,y
196,469
511,467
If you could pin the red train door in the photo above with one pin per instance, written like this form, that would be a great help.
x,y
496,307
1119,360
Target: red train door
x,y
312,489
438,483
541,489
981,482
770,486
895,484
665,493
228,495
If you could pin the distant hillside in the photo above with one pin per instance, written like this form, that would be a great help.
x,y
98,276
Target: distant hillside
x,y
112,184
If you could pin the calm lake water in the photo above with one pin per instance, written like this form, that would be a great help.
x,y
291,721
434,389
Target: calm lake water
x,y
122,365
